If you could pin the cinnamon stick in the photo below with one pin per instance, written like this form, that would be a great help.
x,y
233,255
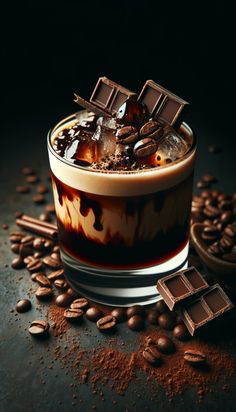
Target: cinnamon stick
x,y
38,222
46,231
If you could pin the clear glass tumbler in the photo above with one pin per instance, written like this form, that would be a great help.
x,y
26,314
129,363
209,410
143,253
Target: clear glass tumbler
x,y
121,231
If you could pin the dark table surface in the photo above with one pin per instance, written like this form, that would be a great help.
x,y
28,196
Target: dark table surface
x,y
26,384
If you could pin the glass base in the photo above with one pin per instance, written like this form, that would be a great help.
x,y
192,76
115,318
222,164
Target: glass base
x,y
120,287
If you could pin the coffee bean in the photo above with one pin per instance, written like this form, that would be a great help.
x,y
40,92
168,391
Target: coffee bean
x,y
152,316
38,243
202,185
38,199
119,314
26,250
27,239
136,322
226,243
127,135
42,280
64,300
50,208
94,314
206,193
34,265
152,129
214,250
41,188
22,189
27,171
17,263
23,305
209,178
149,341
72,293
211,201
223,196
152,355
45,217
29,259
48,244
43,293
226,216
56,249
194,357
165,345
211,212
39,254
31,179
51,263
230,231
135,310
145,148
106,323
56,256
161,306
166,321
181,332
57,274
61,284
73,315
81,303
16,237
38,328
229,257
210,233
226,205
15,247
35,274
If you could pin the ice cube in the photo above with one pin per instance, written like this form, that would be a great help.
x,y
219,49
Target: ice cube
x,y
108,122
172,146
106,141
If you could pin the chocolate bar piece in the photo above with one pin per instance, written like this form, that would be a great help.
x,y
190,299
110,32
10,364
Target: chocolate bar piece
x,y
87,105
210,305
181,285
110,96
162,104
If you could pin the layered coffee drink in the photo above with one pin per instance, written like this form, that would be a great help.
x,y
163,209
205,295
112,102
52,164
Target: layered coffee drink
x,y
122,183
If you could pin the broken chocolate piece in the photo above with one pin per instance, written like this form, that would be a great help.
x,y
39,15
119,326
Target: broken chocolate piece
x,y
212,304
178,286
110,96
162,104
91,107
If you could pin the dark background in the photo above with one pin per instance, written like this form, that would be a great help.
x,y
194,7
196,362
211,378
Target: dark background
x,y
51,49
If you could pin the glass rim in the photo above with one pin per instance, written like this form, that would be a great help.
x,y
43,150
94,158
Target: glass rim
x,y
183,126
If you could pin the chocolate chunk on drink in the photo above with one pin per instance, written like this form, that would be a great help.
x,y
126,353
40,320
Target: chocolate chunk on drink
x,y
178,286
91,107
162,104
110,96
209,306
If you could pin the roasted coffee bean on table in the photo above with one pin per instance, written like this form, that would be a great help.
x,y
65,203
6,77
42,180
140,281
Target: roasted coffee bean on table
x,y
194,357
27,171
41,188
152,355
136,322
43,293
22,189
61,284
17,263
32,179
52,263
73,315
23,305
106,323
15,247
42,280
39,199
64,300
56,274
94,314
135,310
80,303
165,345
15,237
45,217
120,314
39,328
34,265
72,293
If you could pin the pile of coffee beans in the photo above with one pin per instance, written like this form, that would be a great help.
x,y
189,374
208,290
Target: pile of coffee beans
x,y
216,210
